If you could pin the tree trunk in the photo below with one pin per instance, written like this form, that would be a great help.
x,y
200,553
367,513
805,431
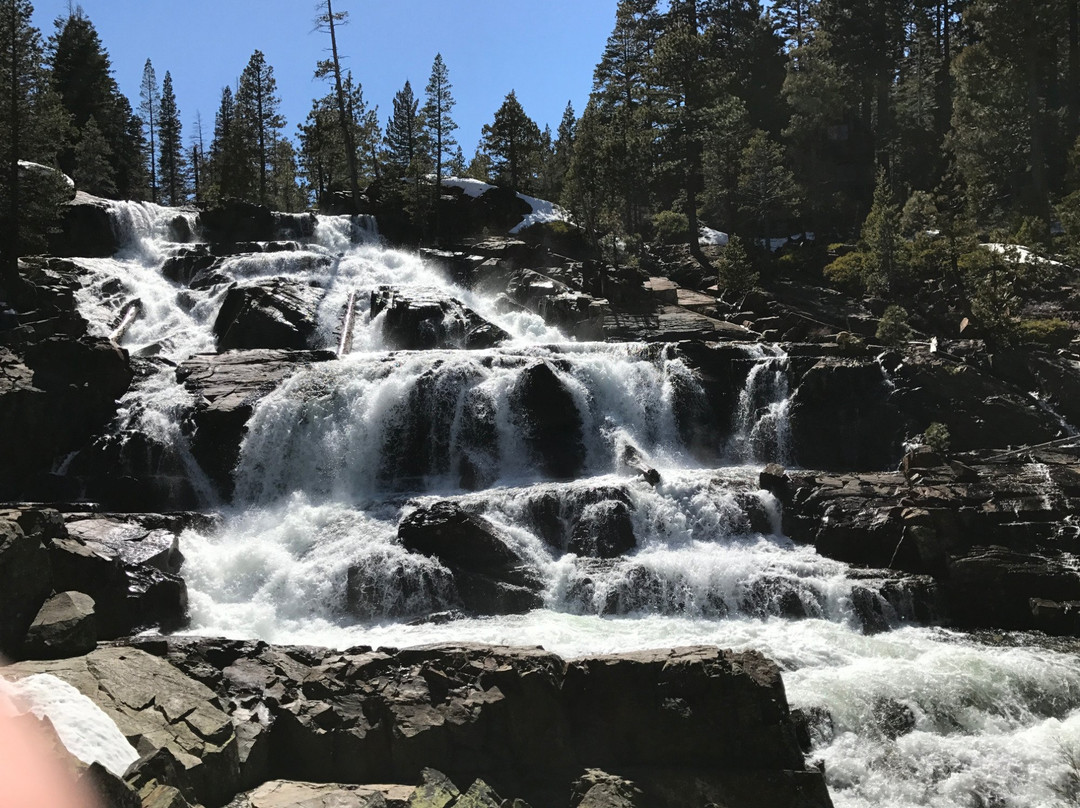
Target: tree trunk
x,y
346,129
11,256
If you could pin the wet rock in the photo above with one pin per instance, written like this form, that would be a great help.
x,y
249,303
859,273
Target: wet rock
x,y
86,229
671,324
551,424
842,417
414,322
893,718
233,221
278,313
604,530
814,727
25,583
491,577
64,627
187,262
226,388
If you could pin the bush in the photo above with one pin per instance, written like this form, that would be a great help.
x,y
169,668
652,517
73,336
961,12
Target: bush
x,y
735,271
1052,332
671,227
562,238
893,328
937,437
847,273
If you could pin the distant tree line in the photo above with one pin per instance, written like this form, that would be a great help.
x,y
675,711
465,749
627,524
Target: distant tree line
x,y
762,120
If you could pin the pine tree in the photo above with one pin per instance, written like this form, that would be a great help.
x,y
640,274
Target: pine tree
x,y
563,150
767,189
30,125
512,142
257,114
436,113
171,147
81,76
150,98
457,165
285,191
93,171
231,164
881,238
328,21
403,132
197,154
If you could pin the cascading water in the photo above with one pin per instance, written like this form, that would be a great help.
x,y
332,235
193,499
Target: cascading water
x,y
343,450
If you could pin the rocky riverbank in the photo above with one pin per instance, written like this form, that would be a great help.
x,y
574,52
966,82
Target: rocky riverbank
x,y
92,540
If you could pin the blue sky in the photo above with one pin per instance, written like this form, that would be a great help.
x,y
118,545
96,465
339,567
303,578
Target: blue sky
x,y
545,51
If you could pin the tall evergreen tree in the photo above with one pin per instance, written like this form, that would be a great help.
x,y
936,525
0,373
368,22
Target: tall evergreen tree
x,y
231,165
257,113
403,132
31,124
197,153
328,21
81,76
93,171
171,147
438,121
150,98
512,142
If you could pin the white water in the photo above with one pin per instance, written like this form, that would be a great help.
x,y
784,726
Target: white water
x,y
322,485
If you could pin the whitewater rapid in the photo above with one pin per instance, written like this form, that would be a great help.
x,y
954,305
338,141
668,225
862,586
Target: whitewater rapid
x,y
986,721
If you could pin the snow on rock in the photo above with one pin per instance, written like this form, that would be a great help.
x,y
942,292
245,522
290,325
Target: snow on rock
x,y
715,238
542,210
38,168
83,727
1023,254
471,187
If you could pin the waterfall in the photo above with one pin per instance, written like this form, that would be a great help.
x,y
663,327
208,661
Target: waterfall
x,y
760,429
532,437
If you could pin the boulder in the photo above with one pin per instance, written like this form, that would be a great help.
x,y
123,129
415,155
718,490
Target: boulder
x,y
491,577
842,417
226,388
419,322
277,313
551,425
64,627
604,530
156,707
687,726
288,794
86,229
25,583
598,789
234,220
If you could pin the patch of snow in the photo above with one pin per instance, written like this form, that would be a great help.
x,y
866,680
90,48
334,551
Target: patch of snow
x,y
26,165
708,236
471,187
83,727
1023,254
542,210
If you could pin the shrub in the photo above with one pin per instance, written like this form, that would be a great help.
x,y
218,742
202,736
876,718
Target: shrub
x,y
937,437
1052,332
735,271
562,238
847,272
671,227
893,328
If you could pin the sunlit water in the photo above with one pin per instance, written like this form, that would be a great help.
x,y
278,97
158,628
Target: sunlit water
x,y
323,481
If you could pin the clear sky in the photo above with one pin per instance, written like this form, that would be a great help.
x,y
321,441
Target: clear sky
x,y
545,50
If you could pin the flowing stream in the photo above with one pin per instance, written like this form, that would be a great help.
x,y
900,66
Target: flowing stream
x,y
307,552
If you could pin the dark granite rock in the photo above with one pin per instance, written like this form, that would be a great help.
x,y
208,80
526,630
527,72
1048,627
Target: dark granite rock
x,y
64,627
